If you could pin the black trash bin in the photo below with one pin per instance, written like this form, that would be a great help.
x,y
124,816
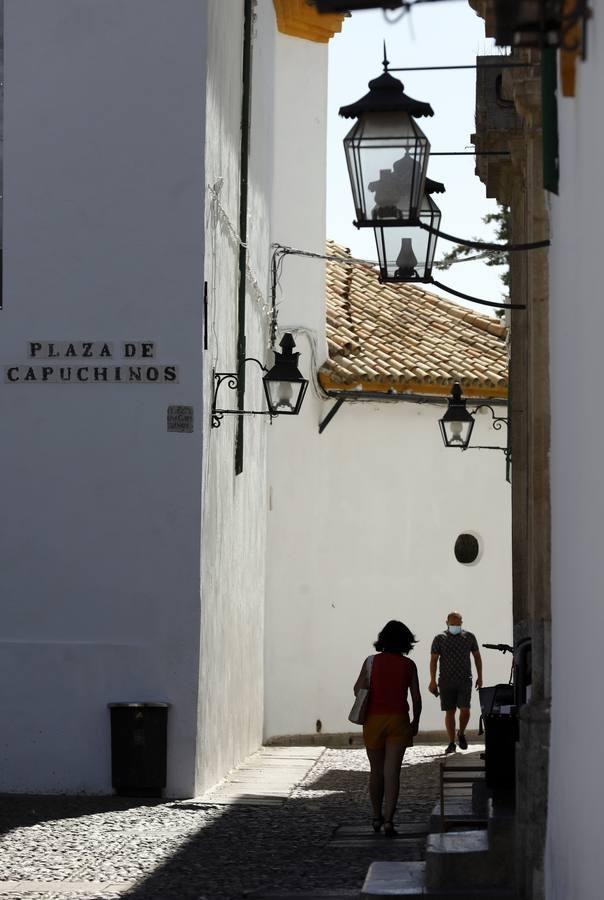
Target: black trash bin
x,y
139,752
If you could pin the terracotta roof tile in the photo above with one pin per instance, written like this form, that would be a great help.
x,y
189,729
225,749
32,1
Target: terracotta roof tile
x,y
386,336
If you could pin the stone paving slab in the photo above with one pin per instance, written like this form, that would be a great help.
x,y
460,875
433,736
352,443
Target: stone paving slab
x,y
361,835
469,757
308,752
239,800
63,887
413,845
332,895
265,776
417,828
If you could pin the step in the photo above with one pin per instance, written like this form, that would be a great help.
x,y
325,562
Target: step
x,y
363,836
458,860
459,814
395,879
502,831
408,880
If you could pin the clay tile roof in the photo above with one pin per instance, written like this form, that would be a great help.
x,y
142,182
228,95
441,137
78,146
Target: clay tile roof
x,y
391,337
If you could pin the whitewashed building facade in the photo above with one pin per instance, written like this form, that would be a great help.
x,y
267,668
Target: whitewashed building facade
x,y
147,556
573,850
133,555
364,516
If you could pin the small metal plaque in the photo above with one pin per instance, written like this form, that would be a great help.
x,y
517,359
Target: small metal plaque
x,y
180,418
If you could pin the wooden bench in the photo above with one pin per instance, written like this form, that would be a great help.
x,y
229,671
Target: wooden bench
x,y
458,774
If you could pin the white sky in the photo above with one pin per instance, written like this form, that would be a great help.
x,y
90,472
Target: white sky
x,y
436,34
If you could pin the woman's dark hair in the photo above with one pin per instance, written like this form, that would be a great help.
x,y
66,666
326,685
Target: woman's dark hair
x,y
395,638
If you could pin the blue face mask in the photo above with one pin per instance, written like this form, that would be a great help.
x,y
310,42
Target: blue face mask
x,y
454,629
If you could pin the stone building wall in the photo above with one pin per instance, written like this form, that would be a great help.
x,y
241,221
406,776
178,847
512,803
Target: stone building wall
x,y
517,181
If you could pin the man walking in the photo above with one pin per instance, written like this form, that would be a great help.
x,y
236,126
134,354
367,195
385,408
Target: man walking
x,y
453,647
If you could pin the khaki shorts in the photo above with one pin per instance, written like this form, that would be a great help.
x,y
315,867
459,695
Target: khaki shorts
x,y
380,730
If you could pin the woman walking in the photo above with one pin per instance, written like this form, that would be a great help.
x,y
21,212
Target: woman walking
x,y
387,730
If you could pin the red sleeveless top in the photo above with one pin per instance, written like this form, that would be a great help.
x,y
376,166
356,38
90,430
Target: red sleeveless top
x,y
391,676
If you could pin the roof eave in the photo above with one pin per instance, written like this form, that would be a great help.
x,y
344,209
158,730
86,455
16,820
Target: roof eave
x,y
392,387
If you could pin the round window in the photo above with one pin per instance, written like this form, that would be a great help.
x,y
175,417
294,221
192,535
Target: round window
x,y
467,549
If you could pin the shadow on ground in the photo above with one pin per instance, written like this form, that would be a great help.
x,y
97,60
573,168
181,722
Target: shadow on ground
x,y
268,851
183,850
27,810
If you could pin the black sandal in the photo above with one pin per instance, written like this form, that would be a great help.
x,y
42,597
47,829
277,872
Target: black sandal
x,y
377,823
389,830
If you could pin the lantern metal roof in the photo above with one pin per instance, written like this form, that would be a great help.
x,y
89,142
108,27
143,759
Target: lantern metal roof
x,y
386,94
434,187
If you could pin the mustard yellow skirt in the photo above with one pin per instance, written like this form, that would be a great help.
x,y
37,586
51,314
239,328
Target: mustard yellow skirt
x,y
379,730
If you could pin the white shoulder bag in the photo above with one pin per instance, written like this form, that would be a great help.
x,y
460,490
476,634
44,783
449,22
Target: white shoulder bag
x,y
358,713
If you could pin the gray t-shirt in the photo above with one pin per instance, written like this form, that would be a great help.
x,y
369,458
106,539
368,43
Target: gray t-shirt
x,y
454,656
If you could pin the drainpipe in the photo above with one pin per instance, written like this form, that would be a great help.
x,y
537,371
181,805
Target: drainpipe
x,y
246,102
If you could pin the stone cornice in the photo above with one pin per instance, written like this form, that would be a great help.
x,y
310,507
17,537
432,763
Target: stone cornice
x,y
299,19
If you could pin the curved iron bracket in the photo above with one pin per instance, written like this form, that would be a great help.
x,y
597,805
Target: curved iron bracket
x,y
497,421
232,382
497,424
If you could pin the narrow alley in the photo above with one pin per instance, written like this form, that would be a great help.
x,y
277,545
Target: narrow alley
x,y
317,842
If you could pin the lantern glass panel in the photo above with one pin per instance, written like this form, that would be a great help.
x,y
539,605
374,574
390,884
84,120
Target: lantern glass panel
x,y
407,254
455,433
285,397
387,156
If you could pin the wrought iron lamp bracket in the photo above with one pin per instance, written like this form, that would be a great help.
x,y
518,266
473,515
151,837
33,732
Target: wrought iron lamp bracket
x,y
497,423
232,382
505,450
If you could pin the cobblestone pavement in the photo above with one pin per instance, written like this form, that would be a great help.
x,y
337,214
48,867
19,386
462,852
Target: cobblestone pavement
x,y
182,850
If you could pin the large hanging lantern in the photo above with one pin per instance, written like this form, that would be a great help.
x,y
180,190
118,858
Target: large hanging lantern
x,y
407,253
284,385
387,153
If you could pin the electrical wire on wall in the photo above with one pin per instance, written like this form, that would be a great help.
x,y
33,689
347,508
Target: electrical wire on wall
x,y
221,217
283,251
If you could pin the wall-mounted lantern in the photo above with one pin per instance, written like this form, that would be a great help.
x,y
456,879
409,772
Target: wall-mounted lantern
x,y
284,386
457,423
387,153
407,253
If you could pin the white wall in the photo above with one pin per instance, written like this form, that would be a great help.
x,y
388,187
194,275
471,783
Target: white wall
x,y
298,218
362,527
574,843
103,240
363,518
235,509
